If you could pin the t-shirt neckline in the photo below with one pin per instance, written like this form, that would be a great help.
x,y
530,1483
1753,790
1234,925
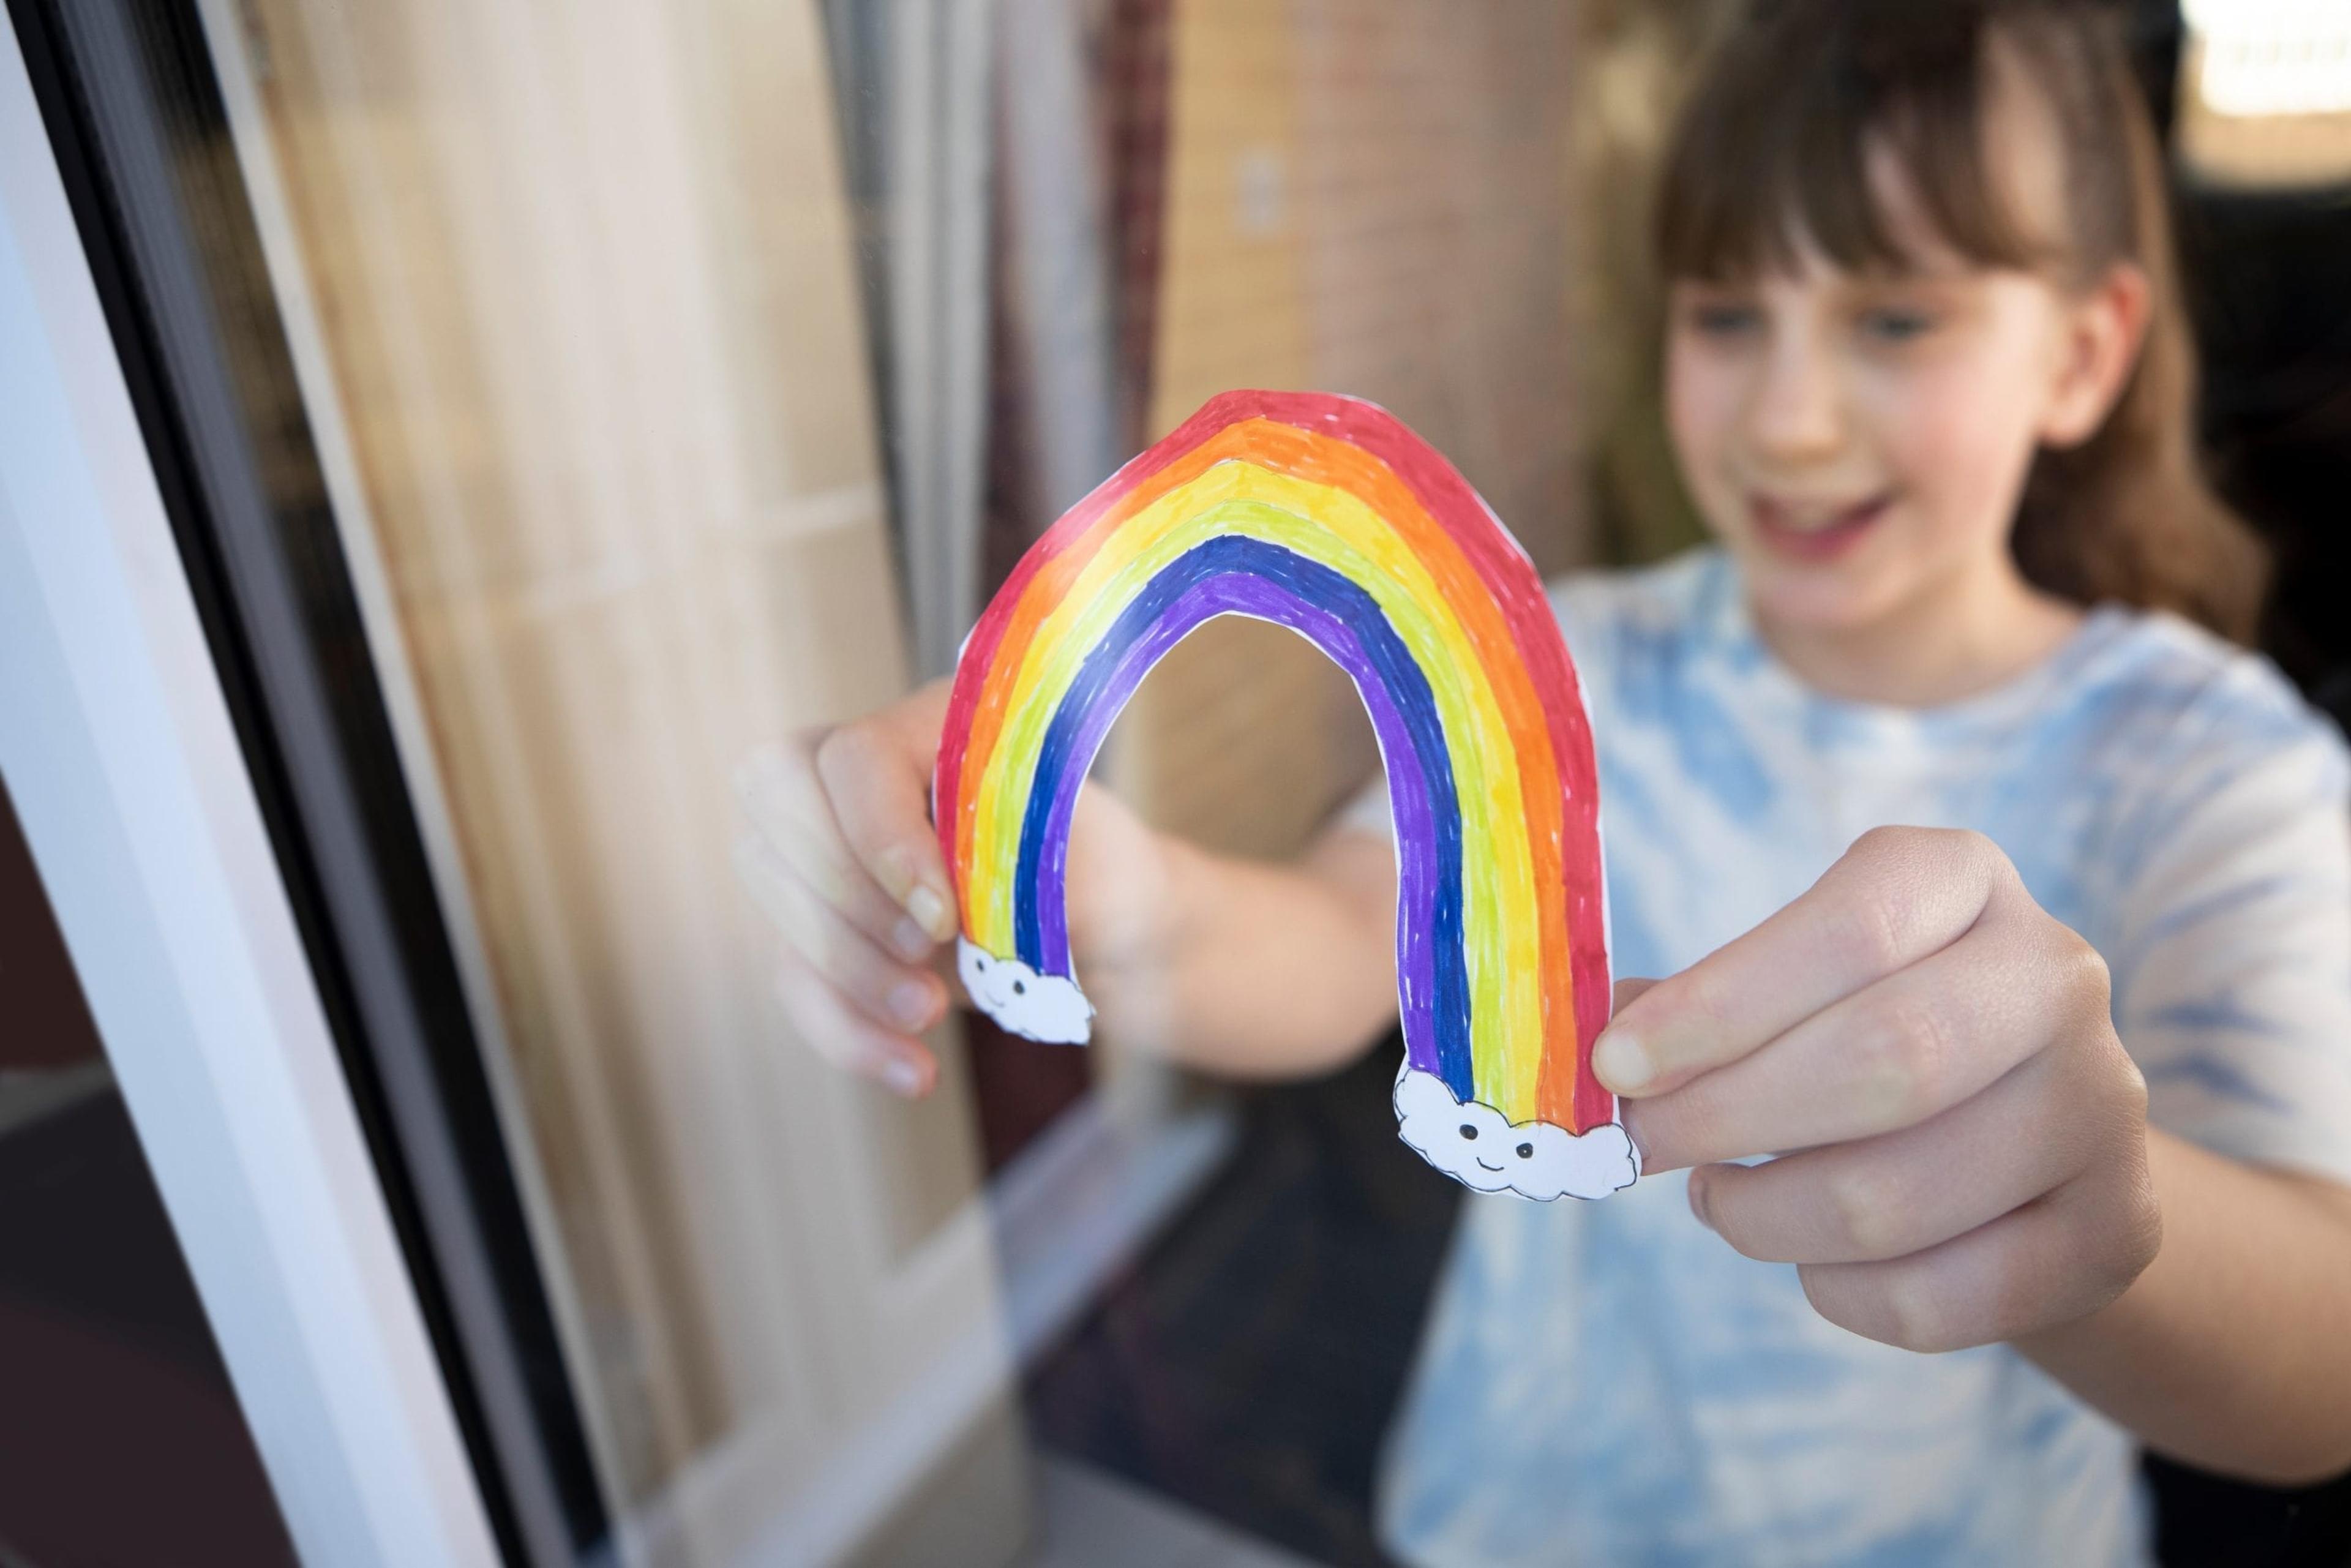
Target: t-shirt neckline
x,y
1732,625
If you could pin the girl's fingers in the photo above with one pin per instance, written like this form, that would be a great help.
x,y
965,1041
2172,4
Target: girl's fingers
x,y
876,774
893,994
2052,1261
1897,895
1916,1043
843,1037
1900,1193
776,788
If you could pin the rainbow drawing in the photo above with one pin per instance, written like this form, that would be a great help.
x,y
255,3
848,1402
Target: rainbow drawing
x,y
1327,515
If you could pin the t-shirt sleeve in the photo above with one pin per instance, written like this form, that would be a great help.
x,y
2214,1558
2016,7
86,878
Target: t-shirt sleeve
x,y
2232,961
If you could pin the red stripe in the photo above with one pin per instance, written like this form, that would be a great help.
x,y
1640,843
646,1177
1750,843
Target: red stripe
x,y
978,653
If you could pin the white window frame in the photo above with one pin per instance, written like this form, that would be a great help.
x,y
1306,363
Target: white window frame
x,y
119,752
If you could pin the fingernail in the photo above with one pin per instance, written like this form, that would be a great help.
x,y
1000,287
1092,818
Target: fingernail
x,y
1620,1063
903,1075
910,1002
930,911
911,939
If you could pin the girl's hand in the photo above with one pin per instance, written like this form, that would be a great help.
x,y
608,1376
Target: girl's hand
x,y
839,851
1971,1138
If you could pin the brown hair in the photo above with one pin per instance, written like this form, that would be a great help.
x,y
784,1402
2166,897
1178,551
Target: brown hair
x,y
1773,145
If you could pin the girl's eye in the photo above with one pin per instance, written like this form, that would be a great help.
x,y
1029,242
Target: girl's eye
x,y
1724,319
1897,326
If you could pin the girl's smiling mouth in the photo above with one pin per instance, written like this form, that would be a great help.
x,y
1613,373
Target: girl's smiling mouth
x,y
1809,531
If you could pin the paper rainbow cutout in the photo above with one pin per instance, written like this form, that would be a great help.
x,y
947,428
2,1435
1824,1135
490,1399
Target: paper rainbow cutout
x,y
1326,515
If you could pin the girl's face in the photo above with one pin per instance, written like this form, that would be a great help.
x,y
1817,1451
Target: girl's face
x,y
1859,441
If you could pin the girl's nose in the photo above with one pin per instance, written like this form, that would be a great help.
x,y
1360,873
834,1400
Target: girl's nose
x,y
1798,411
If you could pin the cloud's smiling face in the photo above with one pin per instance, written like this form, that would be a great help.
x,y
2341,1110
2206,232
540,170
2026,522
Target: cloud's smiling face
x,y
1475,1145
1048,1008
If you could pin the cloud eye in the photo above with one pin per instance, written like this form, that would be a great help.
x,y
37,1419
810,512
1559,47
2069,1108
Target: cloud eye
x,y
1526,1150
1019,987
1469,1132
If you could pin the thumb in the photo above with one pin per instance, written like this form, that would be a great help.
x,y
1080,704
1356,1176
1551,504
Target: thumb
x,y
1629,1111
876,773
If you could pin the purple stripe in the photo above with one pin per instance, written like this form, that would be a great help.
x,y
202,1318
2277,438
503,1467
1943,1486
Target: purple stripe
x,y
1416,837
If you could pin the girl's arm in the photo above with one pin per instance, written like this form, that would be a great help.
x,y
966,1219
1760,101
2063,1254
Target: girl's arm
x,y
2229,1351
1260,970
1244,968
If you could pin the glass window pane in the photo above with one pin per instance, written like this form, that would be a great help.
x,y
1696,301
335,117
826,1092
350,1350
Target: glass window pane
x,y
685,378
576,302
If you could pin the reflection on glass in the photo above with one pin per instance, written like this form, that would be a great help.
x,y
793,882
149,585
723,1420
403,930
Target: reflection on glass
x,y
574,299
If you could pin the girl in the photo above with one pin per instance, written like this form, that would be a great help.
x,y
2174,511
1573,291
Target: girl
x,y
2063,1059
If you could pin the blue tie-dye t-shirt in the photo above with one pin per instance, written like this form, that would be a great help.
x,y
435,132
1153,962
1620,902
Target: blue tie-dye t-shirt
x,y
1610,1382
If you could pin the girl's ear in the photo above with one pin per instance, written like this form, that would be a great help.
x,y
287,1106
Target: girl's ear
x,y
2099,337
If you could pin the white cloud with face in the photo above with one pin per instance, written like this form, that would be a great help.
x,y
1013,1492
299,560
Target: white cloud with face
x,y
1048,1008
1475,1146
